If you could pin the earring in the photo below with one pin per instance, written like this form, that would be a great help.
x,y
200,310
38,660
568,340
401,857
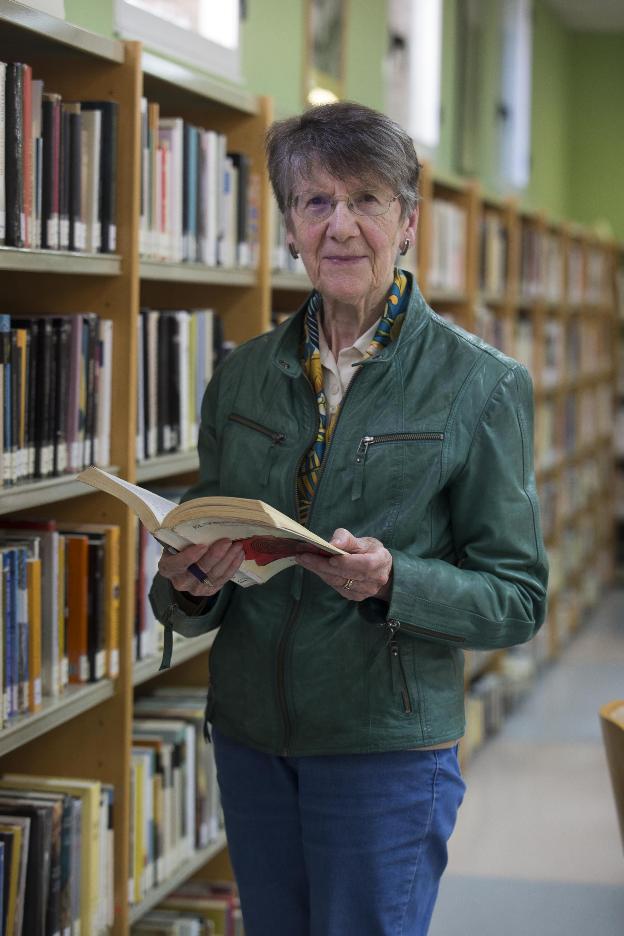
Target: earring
x,y
405,246
293,251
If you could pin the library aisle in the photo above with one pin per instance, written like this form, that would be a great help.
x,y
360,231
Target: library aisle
x,y
537,850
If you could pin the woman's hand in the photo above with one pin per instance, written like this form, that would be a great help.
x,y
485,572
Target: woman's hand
x,y
365,573
218,562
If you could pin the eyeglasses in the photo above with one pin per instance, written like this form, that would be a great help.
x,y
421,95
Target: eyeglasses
x,y
318,206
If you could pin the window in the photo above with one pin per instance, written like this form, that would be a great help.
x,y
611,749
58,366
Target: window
x,y
414,68
515,107
204,33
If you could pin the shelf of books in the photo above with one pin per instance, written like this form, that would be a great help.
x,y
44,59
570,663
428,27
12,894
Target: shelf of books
x,y
619,414
125,281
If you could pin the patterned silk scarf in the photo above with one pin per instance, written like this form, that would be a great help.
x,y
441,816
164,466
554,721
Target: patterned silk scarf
x,y
387,331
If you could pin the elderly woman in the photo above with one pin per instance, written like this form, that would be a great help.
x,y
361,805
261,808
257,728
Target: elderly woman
x,y
336,689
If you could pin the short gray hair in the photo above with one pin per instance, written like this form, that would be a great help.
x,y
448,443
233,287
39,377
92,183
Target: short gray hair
x,y
347,140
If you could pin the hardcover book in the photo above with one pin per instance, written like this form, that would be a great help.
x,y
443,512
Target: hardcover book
x,y
269,538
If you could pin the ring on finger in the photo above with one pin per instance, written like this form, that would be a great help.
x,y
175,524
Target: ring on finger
x,y
206,581
347,584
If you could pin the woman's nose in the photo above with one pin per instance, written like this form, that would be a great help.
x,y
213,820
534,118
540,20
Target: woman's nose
x,y
342,222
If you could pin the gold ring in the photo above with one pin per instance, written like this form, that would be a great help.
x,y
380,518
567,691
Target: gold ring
x,y
207,582
348,583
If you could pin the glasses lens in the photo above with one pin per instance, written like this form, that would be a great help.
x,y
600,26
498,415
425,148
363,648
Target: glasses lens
x,y
368,202
313,206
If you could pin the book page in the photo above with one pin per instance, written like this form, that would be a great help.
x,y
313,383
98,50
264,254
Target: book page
x,y
150,508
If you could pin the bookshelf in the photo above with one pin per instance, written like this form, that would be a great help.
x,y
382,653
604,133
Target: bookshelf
x,y
489,286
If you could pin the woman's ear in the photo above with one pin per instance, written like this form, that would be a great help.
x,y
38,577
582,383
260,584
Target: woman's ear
x,y
411,223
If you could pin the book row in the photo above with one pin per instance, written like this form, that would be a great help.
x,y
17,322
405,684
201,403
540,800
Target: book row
x,y
199,202
58,184
549,273
175,805
492,696
59,609
577,419
493,253
580,482
177,354
56,855
449,231
197,908
578,347
55,394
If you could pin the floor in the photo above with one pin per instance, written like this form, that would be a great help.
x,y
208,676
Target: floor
x,y
537,850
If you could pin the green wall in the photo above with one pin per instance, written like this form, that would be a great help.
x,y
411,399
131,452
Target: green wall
x,y
550,123
578,90
595,192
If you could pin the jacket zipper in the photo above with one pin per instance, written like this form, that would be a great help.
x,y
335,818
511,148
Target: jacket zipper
x,y
398,672
290,624
277,438
415,629
367,441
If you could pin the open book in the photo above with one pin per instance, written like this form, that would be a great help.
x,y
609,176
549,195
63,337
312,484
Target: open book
x,y
269,538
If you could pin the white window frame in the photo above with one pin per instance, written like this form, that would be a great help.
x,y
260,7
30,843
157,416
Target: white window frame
x,y
160,35
420,26
515,139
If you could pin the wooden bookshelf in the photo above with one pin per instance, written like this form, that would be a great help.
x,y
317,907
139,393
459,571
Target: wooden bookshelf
x,y
96,721
183,873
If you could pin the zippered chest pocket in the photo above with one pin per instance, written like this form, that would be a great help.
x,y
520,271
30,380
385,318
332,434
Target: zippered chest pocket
x,y
369,443
256,448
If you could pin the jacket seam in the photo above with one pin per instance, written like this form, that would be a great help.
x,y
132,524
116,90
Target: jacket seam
x,y
467,611
522,428
479,421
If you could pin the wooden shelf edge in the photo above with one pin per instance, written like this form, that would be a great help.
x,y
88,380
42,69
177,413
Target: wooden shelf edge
x,y
163,271
178,877
183,650
54,712
57,30
25,260
164,466
48,491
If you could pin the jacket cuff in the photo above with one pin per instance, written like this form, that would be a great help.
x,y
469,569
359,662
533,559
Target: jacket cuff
x,y
170,611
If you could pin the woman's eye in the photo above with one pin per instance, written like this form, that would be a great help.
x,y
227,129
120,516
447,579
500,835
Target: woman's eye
x,y
365,198
316,201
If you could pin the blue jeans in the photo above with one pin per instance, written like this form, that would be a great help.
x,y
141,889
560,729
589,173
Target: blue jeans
x,y
347,845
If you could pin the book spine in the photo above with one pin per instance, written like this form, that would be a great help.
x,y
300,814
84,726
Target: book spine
x,y
75,205
51,172
22,668
3,117
65,168
113,589
77,608
34,633
27,155
14,157
62,371
10,619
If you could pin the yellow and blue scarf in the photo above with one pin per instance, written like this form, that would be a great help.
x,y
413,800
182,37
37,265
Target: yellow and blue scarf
x,y
387,331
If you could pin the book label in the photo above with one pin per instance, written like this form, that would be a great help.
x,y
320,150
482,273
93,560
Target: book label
x,y
64,233
114,663
37,691
112,237
52,232
80,235
83,668
100,664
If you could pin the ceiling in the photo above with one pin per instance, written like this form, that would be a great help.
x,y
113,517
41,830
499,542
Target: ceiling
x,y
591,15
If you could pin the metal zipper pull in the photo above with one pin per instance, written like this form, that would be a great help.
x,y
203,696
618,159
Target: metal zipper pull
x,y
358,475
399,681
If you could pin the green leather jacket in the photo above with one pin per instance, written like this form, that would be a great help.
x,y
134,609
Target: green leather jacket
x,y
432,455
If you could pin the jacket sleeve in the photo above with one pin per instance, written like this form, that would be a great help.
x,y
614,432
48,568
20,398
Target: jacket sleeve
x,y
169,605
495,596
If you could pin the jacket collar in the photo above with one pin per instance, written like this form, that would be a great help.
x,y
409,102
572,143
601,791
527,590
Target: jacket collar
x,y
286,354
